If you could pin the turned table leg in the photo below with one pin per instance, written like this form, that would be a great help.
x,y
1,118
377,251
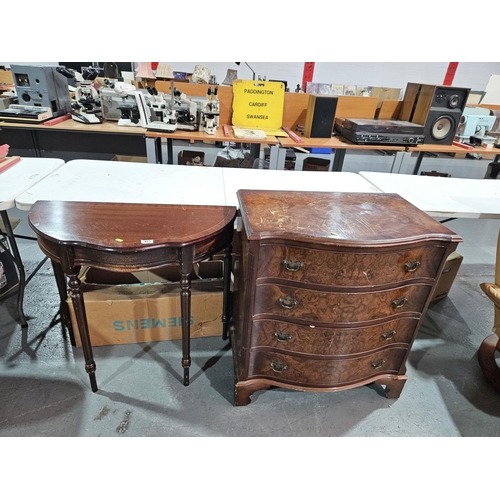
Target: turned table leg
x,y
81,319
186,258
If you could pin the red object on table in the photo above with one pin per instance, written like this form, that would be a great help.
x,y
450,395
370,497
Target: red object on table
x,y
8,162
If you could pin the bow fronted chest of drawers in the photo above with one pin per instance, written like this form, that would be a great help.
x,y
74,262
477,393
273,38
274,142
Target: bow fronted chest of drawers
x,y
330,289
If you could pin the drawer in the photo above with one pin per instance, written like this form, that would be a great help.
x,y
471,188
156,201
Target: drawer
x,y
348,269
307,371
336,307
331,341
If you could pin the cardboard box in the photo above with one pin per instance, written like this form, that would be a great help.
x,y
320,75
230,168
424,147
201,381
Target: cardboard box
x,y
143,311
448,276
189,157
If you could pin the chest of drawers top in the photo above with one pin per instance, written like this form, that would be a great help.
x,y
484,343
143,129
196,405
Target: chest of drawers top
x,y
338,219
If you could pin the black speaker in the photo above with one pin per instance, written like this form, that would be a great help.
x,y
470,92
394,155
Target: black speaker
x,y
437,107
320,116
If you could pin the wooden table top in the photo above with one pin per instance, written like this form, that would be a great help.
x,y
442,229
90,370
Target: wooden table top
x,y
117,227
203,136
343,219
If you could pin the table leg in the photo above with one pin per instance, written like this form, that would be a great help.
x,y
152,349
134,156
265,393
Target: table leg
x,y
81,320
150,149
420,157
20,267
63,295
227,291
338,160
186,269
170,151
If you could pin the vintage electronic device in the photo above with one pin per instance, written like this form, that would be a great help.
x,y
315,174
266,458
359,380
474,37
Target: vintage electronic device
x,y
372,131
28,114
210,111
437,107
320,116
6,101
42,86
188,111
123,103
474,122
110,101
163,114
86,107
135,110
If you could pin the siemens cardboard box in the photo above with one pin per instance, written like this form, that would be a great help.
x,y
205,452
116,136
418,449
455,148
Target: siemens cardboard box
x,y
127,308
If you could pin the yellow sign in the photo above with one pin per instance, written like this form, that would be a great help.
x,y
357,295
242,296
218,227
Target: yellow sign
x,y
258,104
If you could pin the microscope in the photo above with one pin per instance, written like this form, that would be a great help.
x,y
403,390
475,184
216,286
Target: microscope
x,y
87,105
188,115
209,120
164,116
134,108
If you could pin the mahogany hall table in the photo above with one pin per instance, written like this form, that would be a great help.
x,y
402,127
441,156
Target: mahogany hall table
x,y
132,237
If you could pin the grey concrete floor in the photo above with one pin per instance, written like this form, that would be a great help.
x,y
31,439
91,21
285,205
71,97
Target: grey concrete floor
x,y
44,389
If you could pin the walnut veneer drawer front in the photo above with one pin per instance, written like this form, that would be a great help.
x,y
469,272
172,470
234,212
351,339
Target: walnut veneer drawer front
x,y
348,269
331,341
321,372
336,307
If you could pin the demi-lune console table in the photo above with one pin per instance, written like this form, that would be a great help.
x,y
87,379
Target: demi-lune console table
x,y
131,237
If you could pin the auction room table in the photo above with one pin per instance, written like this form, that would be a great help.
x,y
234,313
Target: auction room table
x,y
443,196
127,182
13,182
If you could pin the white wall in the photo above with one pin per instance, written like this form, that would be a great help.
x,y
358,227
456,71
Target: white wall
x,y
473,75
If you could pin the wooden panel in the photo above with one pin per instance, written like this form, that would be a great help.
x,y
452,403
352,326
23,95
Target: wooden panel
x,y
409,100
356,107
279,262
488,106
324,372
6,77
295,109
424,103
295,303
389,110
224,93
291,337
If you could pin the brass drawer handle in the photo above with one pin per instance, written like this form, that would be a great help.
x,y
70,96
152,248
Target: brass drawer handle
x,y
278,367
388,335
287,302
377,364
396,304
282,336
412,266
293,265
